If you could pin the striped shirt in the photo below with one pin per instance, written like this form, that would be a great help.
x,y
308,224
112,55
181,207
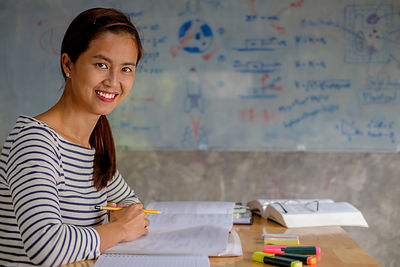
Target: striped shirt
x,y
47,198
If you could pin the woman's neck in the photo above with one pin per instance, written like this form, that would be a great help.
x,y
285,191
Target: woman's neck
x,y
72,124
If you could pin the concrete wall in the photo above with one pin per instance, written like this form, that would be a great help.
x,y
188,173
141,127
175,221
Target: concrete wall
x,y
368,181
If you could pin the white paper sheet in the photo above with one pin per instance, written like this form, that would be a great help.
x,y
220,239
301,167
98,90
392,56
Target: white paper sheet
x,y
107,260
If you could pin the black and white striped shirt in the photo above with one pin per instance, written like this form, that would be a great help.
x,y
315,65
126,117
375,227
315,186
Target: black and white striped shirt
x,y
47,198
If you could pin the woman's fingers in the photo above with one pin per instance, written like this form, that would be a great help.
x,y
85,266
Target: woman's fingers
x,y
111,204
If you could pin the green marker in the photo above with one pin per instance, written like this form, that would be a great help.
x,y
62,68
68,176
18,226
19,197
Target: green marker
x,y
275,260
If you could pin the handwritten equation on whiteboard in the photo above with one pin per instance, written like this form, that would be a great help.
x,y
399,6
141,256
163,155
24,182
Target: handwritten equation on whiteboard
x,y
268,75
315,75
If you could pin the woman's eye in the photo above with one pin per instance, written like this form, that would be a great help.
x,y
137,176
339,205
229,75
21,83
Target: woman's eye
x,y
126,69
101,65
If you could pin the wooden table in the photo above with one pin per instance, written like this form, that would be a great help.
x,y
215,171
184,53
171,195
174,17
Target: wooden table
x,y
338,248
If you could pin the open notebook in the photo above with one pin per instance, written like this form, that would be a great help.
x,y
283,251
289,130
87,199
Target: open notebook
x,y
119,260
293,213
187,228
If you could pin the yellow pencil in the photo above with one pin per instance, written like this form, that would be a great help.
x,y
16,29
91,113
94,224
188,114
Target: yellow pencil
x,y
119,208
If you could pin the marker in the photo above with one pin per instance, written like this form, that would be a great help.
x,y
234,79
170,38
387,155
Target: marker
x,y
308,260
120,208
275,260
282,241
279,236
297,250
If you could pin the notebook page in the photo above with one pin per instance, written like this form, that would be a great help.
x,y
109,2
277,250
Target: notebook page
x,y
193,207
199,240
162,222
107,260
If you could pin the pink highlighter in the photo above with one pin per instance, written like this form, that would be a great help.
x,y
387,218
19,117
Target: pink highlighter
x,y
312,250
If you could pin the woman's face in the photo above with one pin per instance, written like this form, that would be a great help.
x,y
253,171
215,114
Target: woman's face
x,y
103,75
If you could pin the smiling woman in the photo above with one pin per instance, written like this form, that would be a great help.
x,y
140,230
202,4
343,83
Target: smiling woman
x,y
57,166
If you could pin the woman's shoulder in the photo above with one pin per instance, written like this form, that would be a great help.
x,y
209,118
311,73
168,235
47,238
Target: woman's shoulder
x,y
26,127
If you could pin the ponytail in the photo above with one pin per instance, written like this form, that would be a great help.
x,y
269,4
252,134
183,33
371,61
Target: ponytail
x,y
102,141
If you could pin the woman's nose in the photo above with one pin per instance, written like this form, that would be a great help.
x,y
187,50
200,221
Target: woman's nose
x,y
112,79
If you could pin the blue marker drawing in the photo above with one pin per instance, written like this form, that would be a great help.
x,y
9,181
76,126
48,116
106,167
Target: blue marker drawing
x,y
134,15
376,129
310,64
348,129
196,36
194,98
378,96
323,85
381,129
155,41
367,33
302,102
314,113
197,138
193,6
309,39
256,67
382,81
266,91
306,22
390,135
379,124
254,45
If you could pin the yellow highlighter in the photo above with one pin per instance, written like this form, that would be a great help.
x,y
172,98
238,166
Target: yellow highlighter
x,y
120,208
275,260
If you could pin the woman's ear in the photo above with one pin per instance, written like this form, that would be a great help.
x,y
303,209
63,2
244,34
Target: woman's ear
x,y
66,64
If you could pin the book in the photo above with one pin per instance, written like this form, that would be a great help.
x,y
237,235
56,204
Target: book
x,y
293,213
187,228
242,214
243,218
107,260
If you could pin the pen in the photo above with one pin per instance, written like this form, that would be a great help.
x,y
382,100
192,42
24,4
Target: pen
x,y
120,208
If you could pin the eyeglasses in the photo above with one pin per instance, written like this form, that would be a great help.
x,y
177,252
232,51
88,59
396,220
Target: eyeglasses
x,y
312,205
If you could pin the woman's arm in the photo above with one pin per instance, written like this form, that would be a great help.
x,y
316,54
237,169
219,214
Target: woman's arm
x,y
34,176
118,191
125,225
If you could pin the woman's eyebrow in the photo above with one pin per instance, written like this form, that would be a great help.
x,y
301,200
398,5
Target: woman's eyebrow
x,y
110,61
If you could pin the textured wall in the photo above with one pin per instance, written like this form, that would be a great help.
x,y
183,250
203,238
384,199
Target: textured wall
x,y
368,181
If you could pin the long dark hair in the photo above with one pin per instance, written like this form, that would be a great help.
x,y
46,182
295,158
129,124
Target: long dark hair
x,y
86,27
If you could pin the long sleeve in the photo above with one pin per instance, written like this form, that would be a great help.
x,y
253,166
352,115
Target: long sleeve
x,y
34,175
119,191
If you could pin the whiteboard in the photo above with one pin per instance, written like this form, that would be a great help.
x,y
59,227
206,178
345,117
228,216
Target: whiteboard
x,y
313,75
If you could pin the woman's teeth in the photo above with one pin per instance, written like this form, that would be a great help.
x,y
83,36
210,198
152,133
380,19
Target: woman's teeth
x,y
105,95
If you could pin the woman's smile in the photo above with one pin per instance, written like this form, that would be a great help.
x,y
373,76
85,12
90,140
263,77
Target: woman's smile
x,y
106,96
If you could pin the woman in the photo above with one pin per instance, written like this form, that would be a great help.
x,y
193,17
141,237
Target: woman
x,y
56,167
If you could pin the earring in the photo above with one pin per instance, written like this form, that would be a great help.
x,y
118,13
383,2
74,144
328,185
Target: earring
x,y
68,75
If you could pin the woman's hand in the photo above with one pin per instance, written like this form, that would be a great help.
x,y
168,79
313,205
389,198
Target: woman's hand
x,y
124,225
132,220
113,214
